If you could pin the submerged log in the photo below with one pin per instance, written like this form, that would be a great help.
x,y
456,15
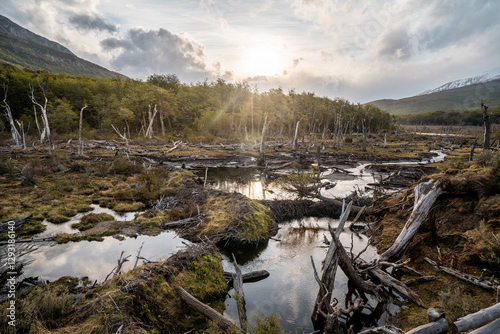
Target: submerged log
x,y
477,319
223,322
425,195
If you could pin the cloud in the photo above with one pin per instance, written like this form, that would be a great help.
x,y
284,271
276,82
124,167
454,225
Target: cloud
x,y
158,51
86,22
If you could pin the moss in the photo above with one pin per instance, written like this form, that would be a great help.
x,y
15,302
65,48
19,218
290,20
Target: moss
x,y
258,223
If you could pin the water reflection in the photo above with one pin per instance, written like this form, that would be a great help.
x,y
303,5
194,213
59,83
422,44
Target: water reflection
x,y
250,182
53,229
291,289
97,259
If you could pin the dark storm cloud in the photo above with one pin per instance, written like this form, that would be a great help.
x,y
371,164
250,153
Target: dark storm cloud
x,y
158,51
86,22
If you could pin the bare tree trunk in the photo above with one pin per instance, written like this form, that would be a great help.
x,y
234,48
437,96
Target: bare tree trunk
x,y
45,121
21,127
329,270
124,136
151,116
262,158
13,130
80,142
486,120
294,144
425,196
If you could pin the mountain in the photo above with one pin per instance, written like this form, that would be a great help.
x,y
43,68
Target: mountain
x,y
20,47
457,95
485,77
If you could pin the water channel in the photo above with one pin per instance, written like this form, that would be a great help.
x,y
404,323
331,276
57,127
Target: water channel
x,y
289,291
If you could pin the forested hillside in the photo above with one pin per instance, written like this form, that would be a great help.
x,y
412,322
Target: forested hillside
x,y
199,111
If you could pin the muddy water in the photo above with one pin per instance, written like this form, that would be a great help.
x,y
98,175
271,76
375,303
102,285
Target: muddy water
x,y
290,290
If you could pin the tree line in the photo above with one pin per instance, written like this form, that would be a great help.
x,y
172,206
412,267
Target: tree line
x,y
162,106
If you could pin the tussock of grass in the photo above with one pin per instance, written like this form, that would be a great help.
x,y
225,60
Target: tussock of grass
x,y
90,220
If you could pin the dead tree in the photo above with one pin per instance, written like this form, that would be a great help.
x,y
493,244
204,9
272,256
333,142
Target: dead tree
x,y
151,116
45,131
80,142
486,120
294,144
122,136
327,281
13,130
262,158
425,195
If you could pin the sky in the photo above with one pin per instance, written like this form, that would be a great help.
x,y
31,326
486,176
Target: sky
x,y
358,50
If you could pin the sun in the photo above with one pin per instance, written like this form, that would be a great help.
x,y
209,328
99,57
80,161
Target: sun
x,y
262,60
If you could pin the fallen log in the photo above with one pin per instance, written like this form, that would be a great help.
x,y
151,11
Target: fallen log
x,y
223,322
437,323
437,327
464,277
425,195
477,319
493,327
388,329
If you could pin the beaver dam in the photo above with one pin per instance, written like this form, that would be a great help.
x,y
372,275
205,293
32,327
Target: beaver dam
x,y
210,241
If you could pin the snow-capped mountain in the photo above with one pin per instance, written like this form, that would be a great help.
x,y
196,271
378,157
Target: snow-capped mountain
x,y
485,77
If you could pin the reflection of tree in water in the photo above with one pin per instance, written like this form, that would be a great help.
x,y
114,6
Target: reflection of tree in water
x,y
302,234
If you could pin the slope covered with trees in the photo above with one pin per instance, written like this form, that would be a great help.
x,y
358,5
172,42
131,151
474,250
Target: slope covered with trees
x,y
162,106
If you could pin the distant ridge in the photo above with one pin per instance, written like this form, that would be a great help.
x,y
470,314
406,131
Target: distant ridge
x,y
23,48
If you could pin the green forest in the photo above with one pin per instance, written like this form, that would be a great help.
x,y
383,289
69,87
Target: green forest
x,y
202,111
